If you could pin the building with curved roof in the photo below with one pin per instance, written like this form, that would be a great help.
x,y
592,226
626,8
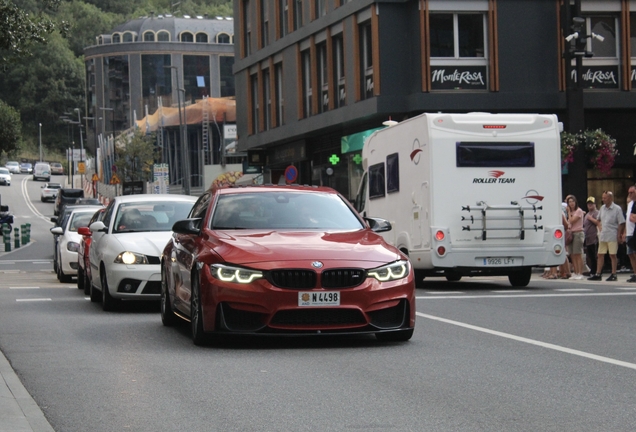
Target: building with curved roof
x,y
158,61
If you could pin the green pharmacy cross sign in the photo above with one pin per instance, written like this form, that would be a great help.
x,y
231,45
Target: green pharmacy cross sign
x,y
334,159
357,159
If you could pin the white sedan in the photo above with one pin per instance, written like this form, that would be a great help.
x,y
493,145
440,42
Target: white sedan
x,y
49,191
5,177
127,244
68,242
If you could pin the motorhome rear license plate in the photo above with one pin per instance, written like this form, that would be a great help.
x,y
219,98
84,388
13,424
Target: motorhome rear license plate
x,y
325,298
501,261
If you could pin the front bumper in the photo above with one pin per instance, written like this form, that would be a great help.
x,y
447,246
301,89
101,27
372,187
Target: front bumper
x,y
261,308
134,282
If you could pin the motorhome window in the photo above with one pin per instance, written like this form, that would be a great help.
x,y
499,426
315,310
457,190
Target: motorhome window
x,y
495,155
392,173
376,181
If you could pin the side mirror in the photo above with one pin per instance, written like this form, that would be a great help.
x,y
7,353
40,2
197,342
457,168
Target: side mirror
x,y
187,226
85,231
57,231
54,219
98,227
378,225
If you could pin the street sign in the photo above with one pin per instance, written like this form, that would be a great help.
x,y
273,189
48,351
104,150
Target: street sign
x,y
95,178
81,167
114,179
291,174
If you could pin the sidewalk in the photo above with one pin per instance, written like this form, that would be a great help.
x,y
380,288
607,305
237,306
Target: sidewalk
x,y
18,410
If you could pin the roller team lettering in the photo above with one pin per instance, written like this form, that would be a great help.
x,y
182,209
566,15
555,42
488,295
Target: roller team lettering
x,y
494,176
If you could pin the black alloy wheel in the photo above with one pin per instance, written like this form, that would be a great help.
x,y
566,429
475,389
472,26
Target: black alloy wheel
x,y
196,313
520,278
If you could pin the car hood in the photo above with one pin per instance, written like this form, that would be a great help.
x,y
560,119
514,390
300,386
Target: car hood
x,y
147,243
345,248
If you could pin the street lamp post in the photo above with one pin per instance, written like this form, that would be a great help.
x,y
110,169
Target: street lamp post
x,y
79,120
40,139
184,138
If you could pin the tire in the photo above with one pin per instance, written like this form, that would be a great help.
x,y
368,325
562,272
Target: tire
x,y
196,313
80,278
453,277
168,318
87,284
419,277
108,302
520,278
396,336
95,295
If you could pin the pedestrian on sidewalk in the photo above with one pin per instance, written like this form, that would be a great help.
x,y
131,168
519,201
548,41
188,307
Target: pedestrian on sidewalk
x,y
611,232
629,230
590,228
575,225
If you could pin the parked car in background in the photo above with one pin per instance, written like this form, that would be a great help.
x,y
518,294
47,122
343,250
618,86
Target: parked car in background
x,y
49,191
61,220
127,243
26,168
66,196
83,259
57,168
285,260
5,177
13,167
87,201
68,242
42,171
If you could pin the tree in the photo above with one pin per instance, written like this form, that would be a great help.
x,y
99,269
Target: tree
x,y
86,22
20,31
10,128
135,156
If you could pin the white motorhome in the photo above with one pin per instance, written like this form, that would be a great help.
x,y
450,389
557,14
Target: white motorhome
x,y
468,194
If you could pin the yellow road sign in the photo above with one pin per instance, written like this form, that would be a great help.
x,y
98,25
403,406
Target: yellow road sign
x,y
95,178
81,167
114,179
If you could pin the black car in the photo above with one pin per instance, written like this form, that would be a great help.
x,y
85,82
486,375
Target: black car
x,y
66,196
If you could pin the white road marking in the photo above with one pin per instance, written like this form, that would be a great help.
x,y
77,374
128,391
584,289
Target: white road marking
x,y
18,288
573,289
524,295
532,342
33,300
509,291
7,262
10,271
626,288
444,292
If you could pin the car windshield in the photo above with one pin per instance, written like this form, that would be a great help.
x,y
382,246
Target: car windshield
x,y
80,220
284,210
4,171
53,186
150,215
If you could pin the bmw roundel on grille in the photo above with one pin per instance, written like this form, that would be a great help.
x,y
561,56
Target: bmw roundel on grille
x,y
316,264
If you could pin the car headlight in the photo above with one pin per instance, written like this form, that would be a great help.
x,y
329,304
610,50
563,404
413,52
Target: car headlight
x,y
131,258
390,272
234,274
72,246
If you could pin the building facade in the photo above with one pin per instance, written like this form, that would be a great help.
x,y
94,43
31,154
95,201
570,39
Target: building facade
x,y
313,75
160,61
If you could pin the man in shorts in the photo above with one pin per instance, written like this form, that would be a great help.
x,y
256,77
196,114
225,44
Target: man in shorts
x,y
629,230
612,230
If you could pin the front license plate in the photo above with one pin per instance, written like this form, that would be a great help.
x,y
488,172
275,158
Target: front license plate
x,y
325,298
501,261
